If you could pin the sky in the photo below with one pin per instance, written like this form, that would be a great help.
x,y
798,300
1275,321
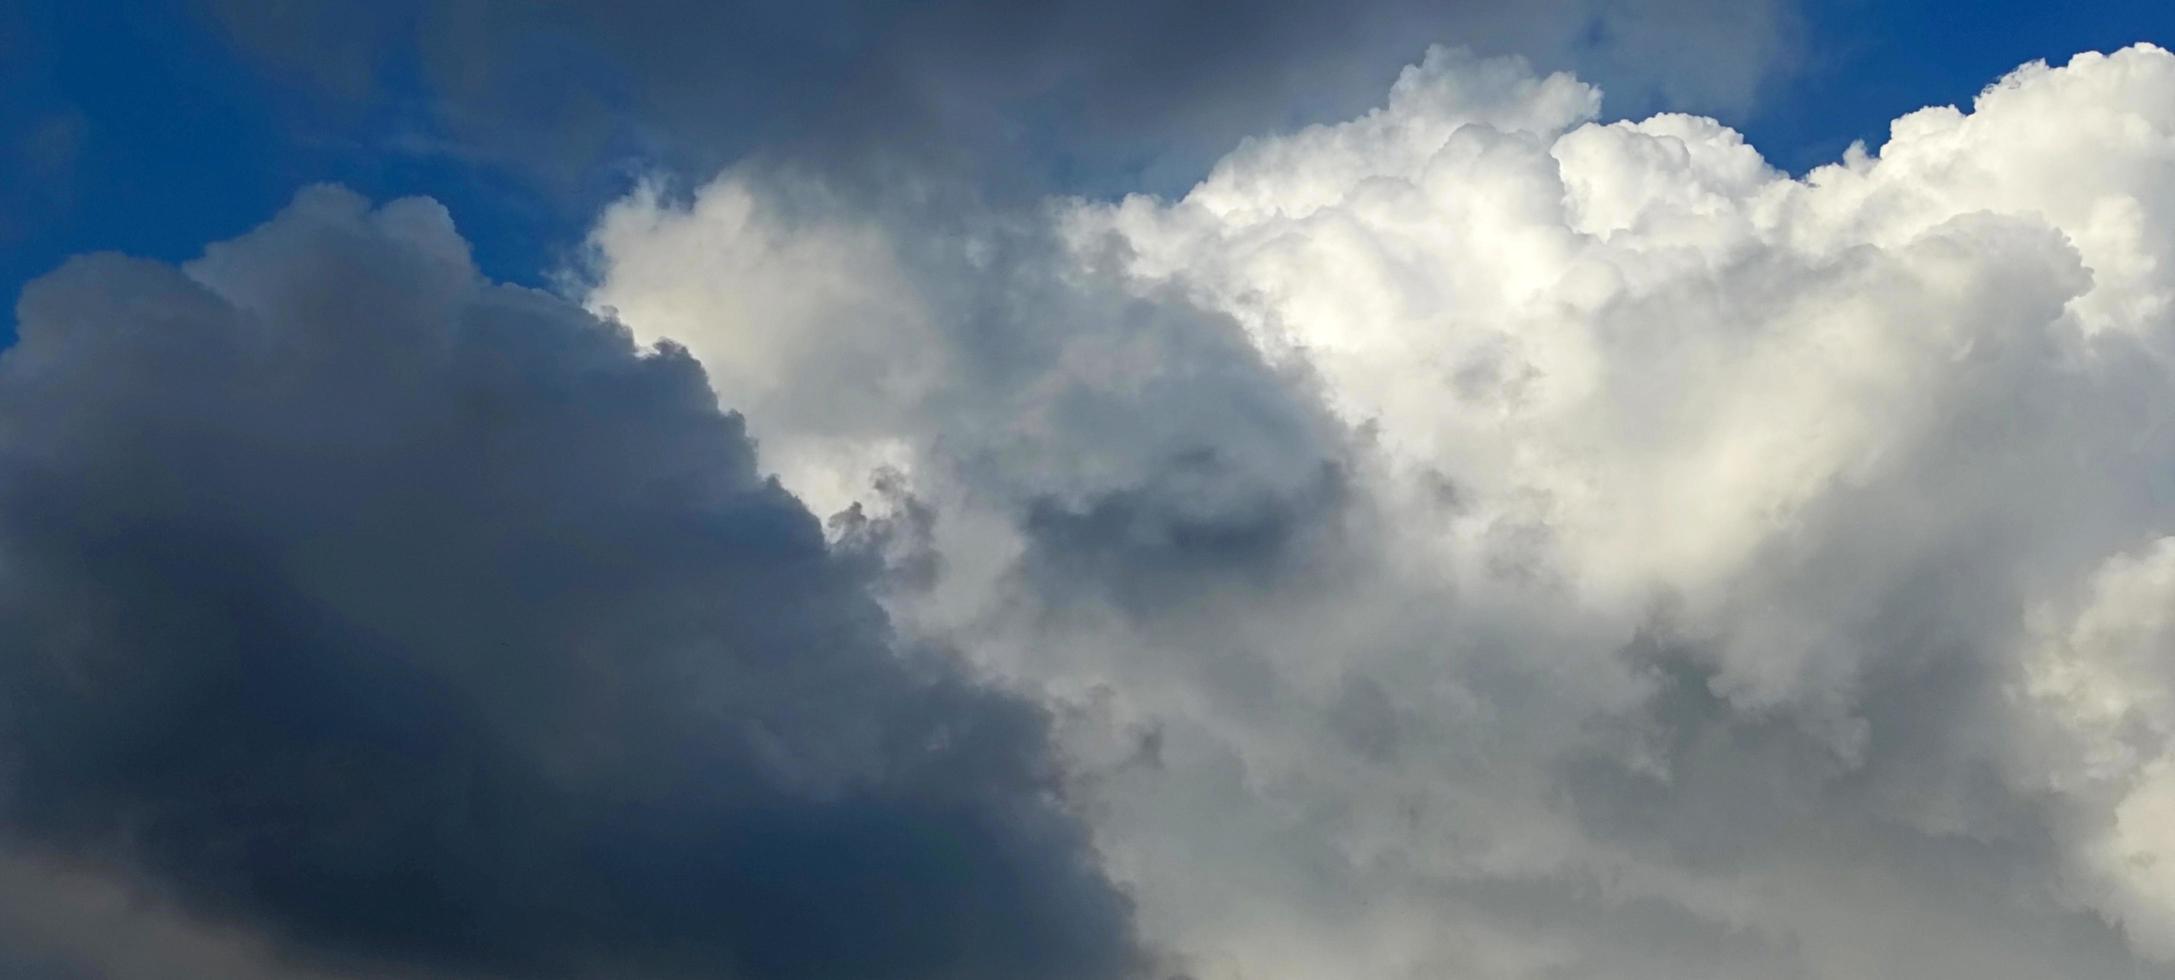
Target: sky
x,y
963,489
153,126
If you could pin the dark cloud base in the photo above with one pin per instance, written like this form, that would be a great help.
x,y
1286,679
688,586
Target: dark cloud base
x,y
413,621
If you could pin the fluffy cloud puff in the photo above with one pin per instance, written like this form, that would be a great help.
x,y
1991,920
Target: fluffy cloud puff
x,y
367,617
1478,538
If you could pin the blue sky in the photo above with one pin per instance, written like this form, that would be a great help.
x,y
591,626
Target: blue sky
x,y
158,139
138,126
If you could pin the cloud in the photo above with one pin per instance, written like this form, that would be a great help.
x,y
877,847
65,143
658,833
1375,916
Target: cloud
x,y
1473,538
1059,91
390,620
70,923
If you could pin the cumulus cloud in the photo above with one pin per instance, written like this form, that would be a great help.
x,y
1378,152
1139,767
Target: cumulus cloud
x,y
1474,538
367,617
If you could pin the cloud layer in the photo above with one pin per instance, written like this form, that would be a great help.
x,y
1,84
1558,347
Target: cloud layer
x,y
1015,95
1475,539
368,617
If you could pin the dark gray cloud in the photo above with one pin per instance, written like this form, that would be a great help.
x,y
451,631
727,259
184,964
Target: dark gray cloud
x,y
413,621
1168,460
1084,94
1194,524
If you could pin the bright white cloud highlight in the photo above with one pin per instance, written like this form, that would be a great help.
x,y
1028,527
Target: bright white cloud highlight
x,y
1493,542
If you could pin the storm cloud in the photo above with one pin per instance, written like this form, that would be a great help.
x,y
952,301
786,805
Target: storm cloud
x,y
391,619
1016,96
1113,492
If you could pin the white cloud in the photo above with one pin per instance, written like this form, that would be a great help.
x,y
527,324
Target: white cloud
x,y
1477,539
2098,688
